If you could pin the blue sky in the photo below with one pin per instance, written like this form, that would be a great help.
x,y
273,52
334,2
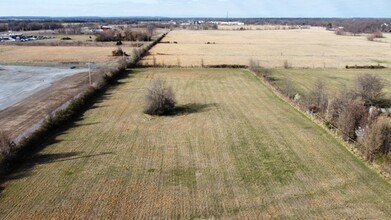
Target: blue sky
x,y
198,8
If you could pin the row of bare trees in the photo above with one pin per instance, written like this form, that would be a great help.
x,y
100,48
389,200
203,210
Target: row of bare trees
x,y
356,113
126,35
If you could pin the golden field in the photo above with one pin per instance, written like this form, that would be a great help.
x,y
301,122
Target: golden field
x,y
310,48
236,151
45,54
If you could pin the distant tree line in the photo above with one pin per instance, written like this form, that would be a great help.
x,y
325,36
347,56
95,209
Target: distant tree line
x,y
26,25
127,34
353,25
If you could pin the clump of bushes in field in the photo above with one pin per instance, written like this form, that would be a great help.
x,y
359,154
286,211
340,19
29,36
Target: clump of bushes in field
x,y
317,98
160,99
375,35
286,64
6,145
340,32
126,35
119,52
376,138
255,67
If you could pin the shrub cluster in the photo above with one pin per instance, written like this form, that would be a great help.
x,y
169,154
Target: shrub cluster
x,y
126,35
375,35
119,52
160,99
6,145
376,138
355,113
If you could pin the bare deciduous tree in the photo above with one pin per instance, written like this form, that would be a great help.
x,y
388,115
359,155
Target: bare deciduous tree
x,y
288,89
350,117
160,100
318,97
377,138
286,64
370,87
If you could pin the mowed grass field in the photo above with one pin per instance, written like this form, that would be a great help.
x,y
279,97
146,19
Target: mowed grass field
x,y
311,48
334,79
234,151
42,54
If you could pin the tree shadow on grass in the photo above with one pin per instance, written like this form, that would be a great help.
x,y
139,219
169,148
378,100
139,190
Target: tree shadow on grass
x,y
190,109
40,159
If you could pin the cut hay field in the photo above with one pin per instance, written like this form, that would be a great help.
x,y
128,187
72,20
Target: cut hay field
x,y
334,79
311,48
46,54
234,151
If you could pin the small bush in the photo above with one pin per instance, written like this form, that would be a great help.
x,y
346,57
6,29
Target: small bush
x,y
375,35
6,145
160,100
350,117
370,87
255,67
370,37
377,138
105,37
340,32
287,88
286,64
317,97
119,52
378,34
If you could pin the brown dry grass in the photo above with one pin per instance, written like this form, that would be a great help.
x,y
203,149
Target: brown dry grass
x,y
302,48
236,152
33,54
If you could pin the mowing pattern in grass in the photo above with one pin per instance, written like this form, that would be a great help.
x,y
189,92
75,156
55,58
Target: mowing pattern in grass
x,y
242,154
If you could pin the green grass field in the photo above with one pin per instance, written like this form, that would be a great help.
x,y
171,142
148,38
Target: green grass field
x,y
334,79
235,151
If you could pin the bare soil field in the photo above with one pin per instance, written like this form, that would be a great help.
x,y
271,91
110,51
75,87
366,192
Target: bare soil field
x,y
60,54
19,82
233,150
311,48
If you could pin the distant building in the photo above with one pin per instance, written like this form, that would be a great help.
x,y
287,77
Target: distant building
x,y
230,23
106,28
